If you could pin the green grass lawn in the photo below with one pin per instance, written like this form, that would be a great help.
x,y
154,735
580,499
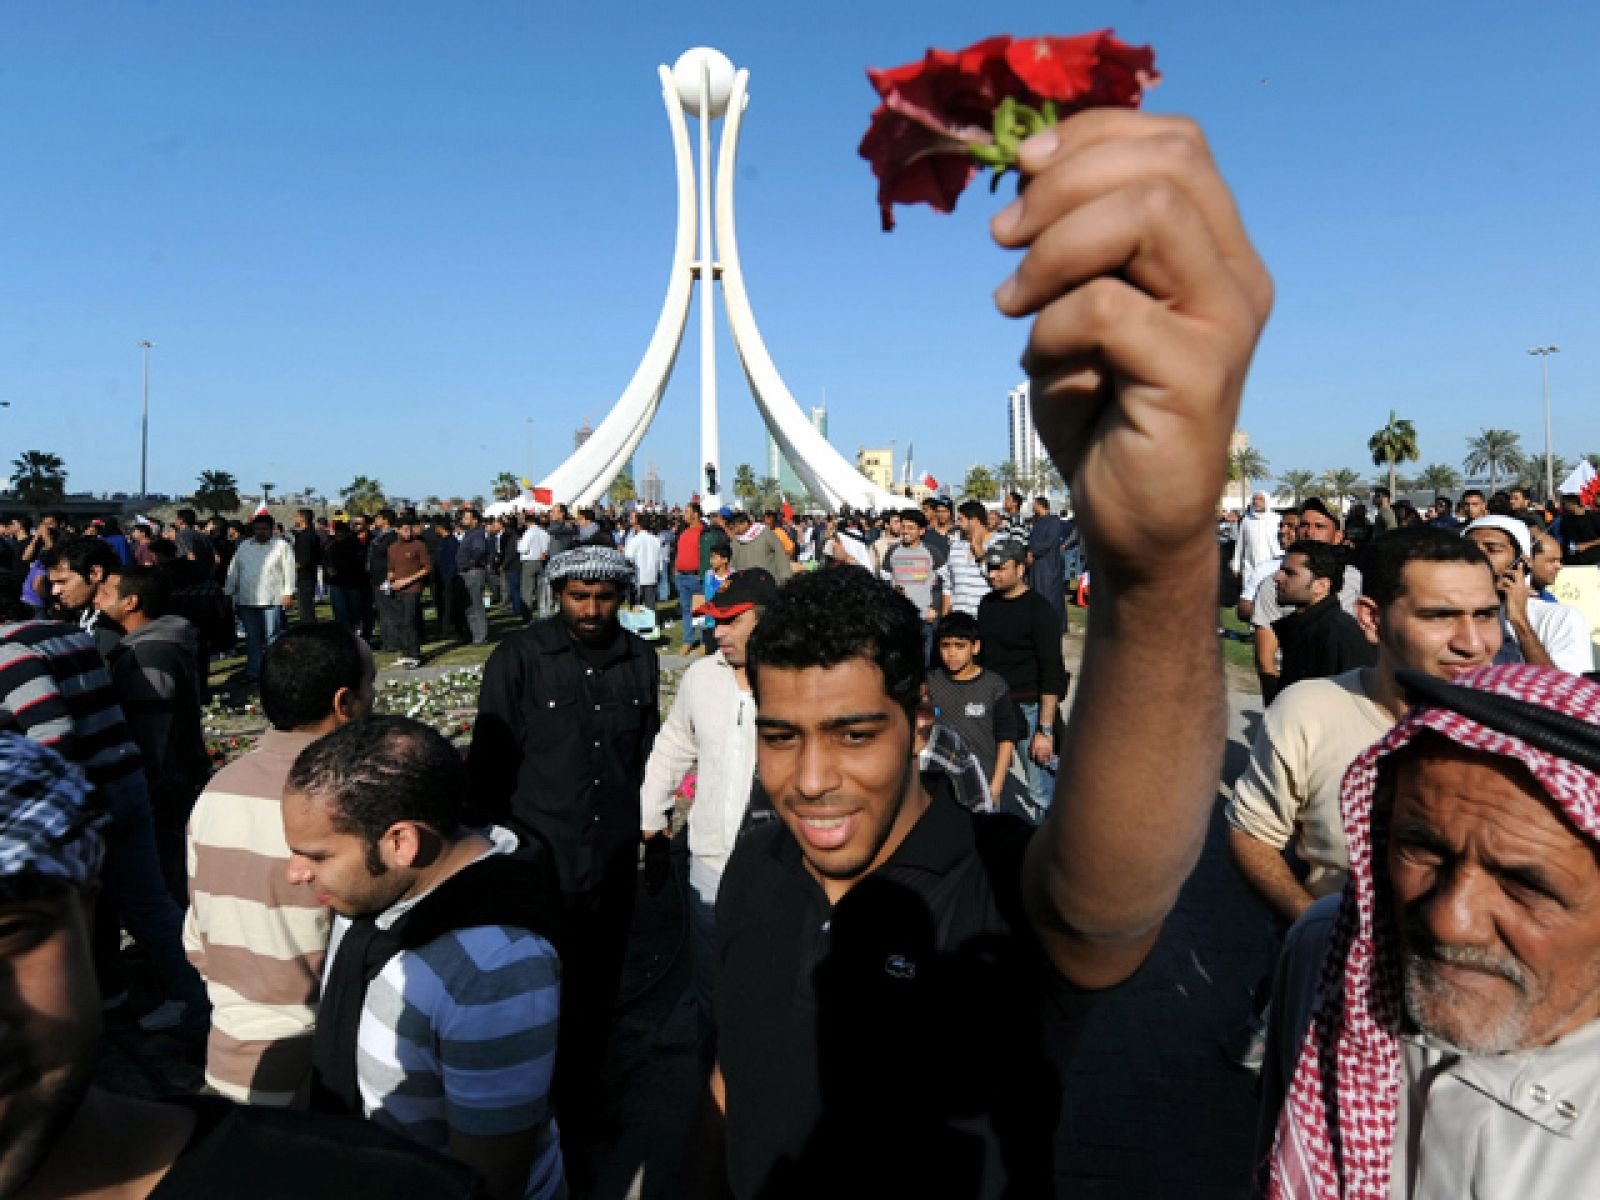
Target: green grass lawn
x,y
446,652
1240,654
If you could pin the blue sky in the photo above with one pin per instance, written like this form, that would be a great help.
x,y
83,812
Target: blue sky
x,y
378,237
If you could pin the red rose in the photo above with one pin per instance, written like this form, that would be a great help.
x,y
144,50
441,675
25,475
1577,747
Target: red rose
x,y
1092,69
940,117
932,112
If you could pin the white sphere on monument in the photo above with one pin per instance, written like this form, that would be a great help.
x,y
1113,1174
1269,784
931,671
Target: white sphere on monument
x,y
686,75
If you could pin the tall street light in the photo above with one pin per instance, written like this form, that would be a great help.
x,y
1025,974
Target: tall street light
x,y
144,426
1544,353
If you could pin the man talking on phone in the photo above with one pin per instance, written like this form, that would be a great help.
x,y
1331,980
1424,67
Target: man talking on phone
x,y
1536,631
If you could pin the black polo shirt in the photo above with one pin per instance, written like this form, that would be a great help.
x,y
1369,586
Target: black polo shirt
x,y
910,1041
255,1153
560,745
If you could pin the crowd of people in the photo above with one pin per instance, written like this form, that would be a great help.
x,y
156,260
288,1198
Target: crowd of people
x,y
401,962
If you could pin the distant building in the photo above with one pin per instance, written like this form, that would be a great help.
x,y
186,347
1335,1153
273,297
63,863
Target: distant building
x,y
789,483
582,434
878,466
1026,450
652,490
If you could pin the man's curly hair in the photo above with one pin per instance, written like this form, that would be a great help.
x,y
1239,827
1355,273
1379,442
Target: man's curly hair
x,y
831,616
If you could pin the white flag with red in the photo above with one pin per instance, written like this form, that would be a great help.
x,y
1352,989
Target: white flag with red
x,y
1584,482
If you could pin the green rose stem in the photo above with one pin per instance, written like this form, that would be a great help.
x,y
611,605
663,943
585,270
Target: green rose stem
x,y
1014,123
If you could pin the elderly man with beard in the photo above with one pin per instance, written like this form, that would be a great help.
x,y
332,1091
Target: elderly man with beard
x,y
1440,1019
567,716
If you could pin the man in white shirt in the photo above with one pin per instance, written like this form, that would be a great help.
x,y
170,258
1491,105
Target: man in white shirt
x,y
533,548
1537,631
260,583
1258,536
711,730
1288,531
643,549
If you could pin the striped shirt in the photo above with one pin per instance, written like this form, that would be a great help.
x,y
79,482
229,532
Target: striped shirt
x,y
55,690
968,582
460,1034
256,939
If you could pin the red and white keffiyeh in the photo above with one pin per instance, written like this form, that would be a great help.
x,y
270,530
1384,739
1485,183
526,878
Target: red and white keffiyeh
x,y
1335,1133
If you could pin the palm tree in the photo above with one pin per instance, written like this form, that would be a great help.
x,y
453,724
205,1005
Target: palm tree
x,y
1395,443
218,491
1494,450
505,486
769,493
1050,479
1341,482
1593,460
1439,478
1299,484
1007,476
1245,466
363,496
979,484
38,477
620,492
1402,485
1531,477
744,483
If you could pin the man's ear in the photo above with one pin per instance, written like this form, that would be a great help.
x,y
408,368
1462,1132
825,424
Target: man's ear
x,y
342,700
401,844
1370,617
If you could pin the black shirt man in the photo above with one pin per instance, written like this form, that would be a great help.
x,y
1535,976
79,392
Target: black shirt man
x,y
567,715
1319,639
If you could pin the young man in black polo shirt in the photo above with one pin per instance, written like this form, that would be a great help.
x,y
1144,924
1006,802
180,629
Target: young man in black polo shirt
x,y
1021,638
888,964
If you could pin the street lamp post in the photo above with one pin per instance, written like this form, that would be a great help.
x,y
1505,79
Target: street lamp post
x,y
1544,353
144,426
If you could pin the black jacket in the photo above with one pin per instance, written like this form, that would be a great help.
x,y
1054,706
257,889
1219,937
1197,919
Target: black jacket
x,y
1321,640
347,562
561,742
378,556
307,552
156,672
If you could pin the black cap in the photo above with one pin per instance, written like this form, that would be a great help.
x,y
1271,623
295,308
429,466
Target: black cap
x,y
752,588
1005,550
